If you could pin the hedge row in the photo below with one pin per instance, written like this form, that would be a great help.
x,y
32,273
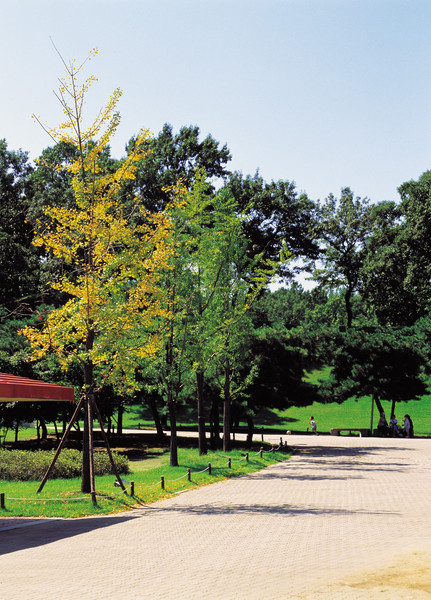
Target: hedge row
x,y
27,465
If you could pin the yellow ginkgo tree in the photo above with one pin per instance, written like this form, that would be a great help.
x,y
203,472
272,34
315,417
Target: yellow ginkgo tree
x,y
114,251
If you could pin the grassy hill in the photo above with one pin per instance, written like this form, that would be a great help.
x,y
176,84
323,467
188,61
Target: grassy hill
x,y
353,413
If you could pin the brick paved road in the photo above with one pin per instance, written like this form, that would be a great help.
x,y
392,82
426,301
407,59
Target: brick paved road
x,y
299,529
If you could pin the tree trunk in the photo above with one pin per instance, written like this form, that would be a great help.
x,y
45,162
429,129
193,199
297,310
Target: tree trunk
x,y
201,418
87,480
86,476
44,429
157,422
226,408
173,442
250,432
215,424
378,404
348,304
120,419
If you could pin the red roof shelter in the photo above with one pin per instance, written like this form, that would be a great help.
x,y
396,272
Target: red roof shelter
x,y
22,389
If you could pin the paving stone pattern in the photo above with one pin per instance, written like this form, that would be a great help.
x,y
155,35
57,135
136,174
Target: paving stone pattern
x,y
295,530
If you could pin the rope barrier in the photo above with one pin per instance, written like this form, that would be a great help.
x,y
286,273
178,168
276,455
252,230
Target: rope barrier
x,y
132,486
173,480
146,487
50,499
203,471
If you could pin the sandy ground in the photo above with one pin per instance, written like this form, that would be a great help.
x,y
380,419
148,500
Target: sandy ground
x,y
407,577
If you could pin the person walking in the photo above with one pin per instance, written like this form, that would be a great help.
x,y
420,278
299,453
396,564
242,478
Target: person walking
x,y
313,425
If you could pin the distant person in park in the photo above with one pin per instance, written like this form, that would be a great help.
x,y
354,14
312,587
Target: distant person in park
x,y
313,425
408,426
393,426
382,426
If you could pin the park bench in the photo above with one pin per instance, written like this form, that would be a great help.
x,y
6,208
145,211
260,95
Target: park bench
x,y
362,432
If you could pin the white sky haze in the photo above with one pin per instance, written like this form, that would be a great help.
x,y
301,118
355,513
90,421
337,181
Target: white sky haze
x,y
326,93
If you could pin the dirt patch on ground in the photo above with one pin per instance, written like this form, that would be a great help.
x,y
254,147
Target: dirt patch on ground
x,y
405,578
409,575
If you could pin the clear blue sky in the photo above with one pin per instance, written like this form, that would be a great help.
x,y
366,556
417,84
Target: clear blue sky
x,y
326,93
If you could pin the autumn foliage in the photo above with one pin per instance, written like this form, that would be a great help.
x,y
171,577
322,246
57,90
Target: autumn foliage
x,y
115,254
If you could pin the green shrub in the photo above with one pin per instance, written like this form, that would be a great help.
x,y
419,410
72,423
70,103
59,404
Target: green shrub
x,y
26,465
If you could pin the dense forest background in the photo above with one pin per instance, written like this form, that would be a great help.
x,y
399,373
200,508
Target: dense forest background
x,y
238,331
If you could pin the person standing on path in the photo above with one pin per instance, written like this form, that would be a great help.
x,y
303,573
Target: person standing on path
x,y
393,425
408,426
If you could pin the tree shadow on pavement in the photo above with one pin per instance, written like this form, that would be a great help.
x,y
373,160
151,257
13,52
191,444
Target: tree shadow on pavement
x,y
289,510
48,531
330,472
341,451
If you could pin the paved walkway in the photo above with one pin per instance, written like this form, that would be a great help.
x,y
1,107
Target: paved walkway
x,y
317,527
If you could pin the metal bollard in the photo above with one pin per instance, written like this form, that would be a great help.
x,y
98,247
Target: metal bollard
x,y
262,434
2,504
246,457
209,469
132,488
261,453
229,463
189,476
162,482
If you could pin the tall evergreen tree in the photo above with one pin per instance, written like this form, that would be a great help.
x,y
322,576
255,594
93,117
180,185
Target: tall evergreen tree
x,y
342,228
19,260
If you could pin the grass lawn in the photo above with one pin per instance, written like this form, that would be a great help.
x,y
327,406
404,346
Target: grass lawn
x,y
62,497
351,413
354,414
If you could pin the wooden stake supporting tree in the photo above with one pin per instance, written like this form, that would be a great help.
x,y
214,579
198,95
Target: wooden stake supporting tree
x,y
88,487
111,281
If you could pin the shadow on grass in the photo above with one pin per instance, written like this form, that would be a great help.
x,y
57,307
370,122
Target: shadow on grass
x,y
270,418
